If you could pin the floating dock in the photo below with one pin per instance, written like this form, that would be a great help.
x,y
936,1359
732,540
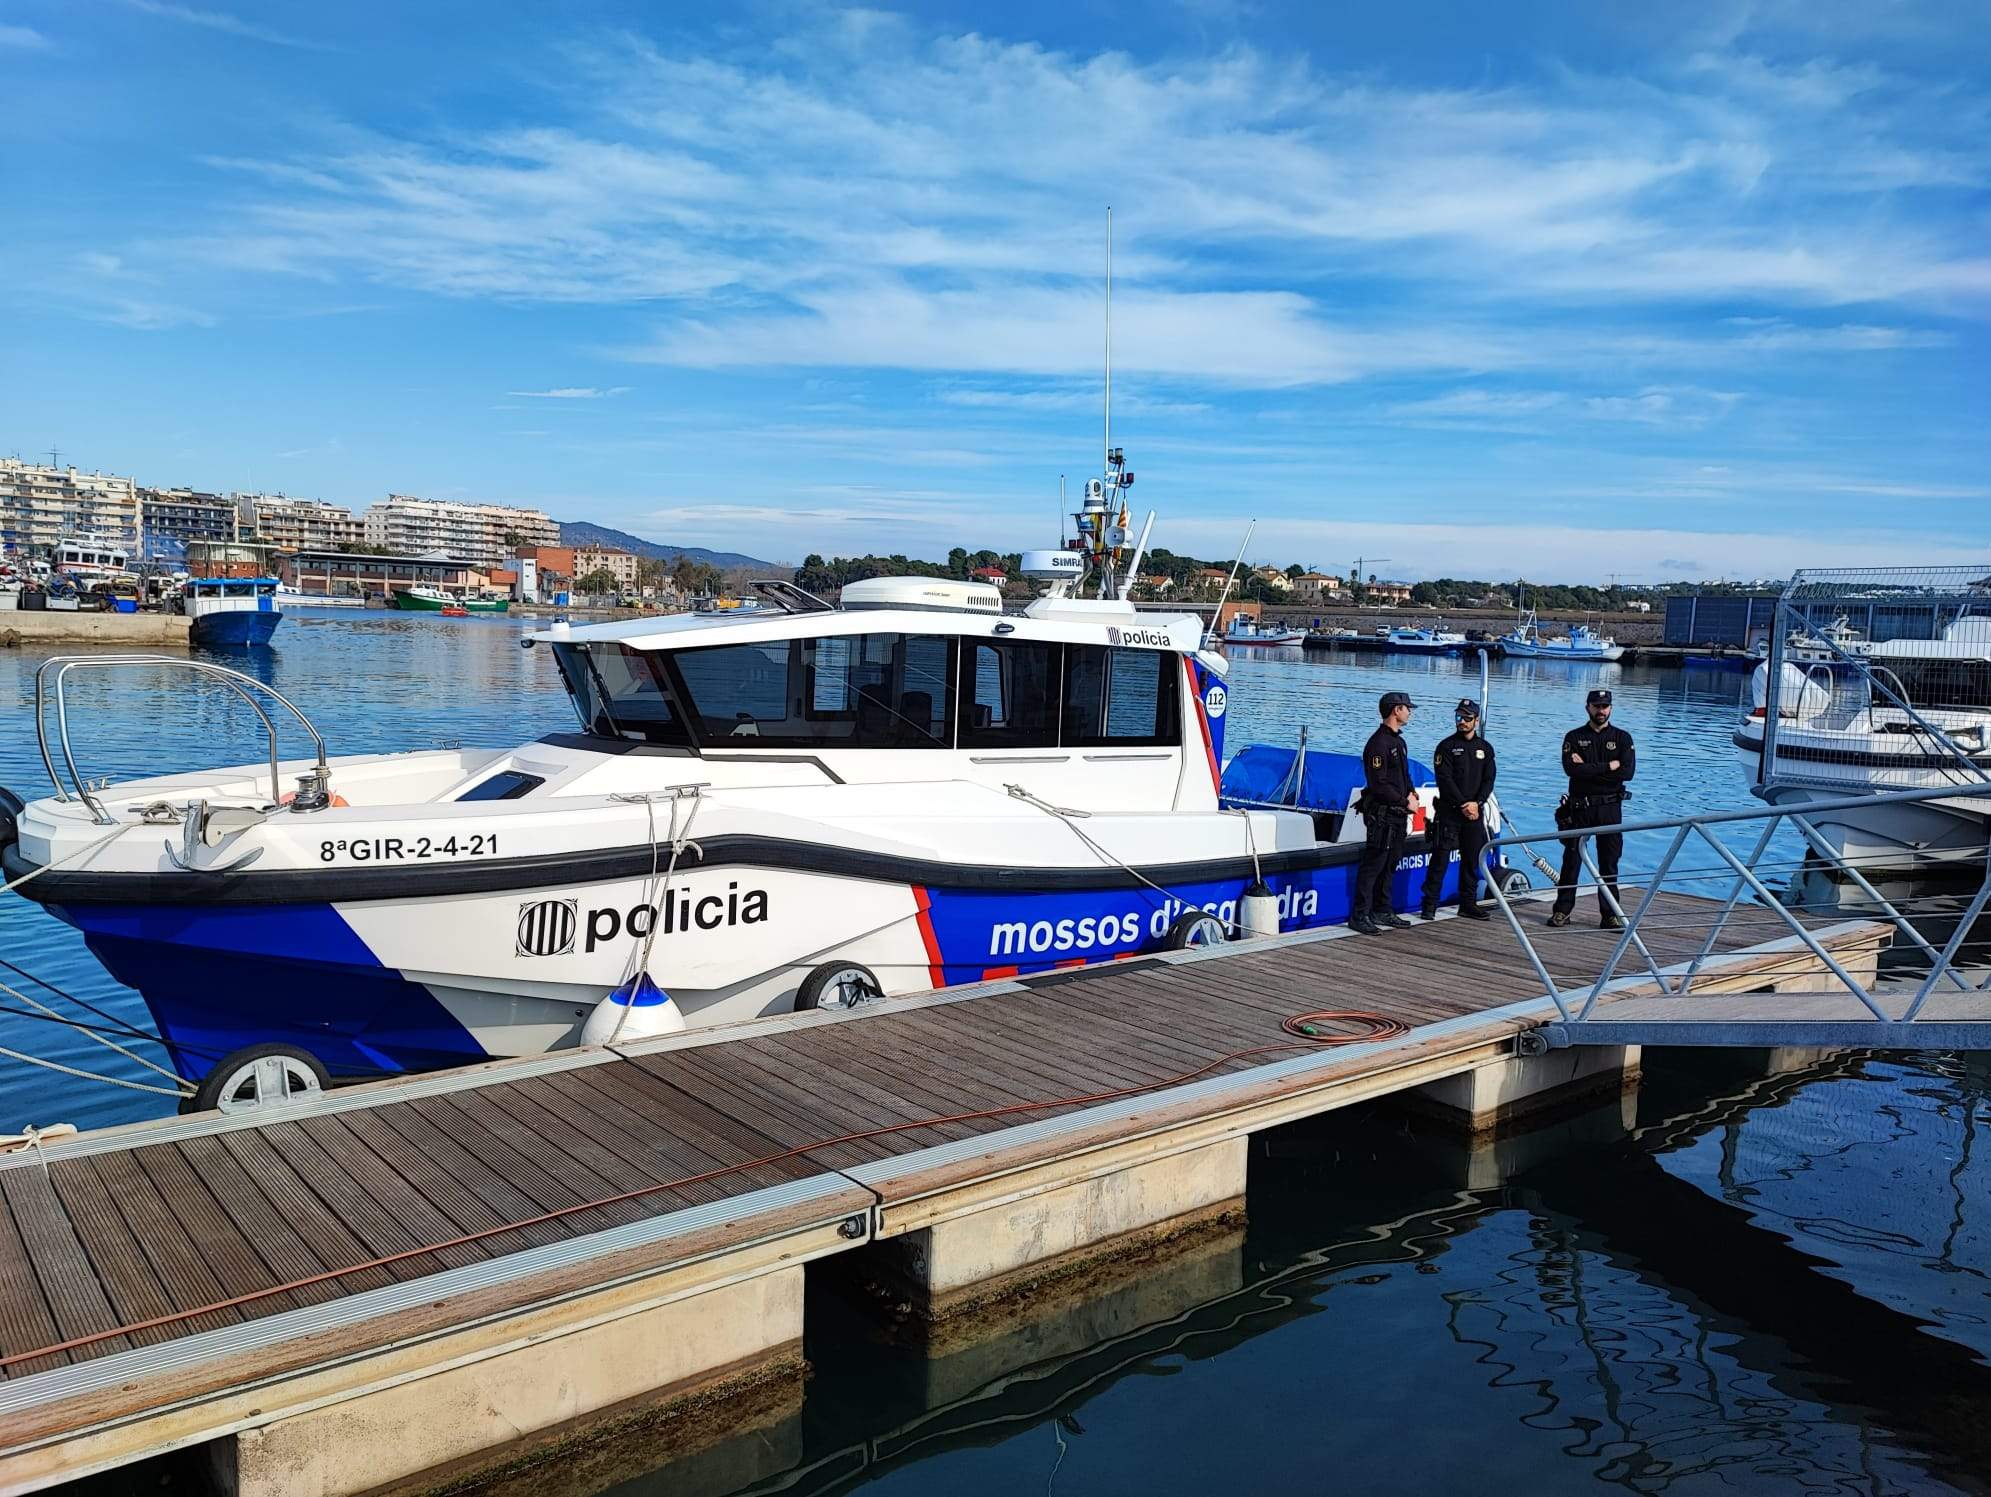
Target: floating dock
x,y
416,1278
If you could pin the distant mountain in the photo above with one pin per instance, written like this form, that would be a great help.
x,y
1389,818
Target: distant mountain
x,y
587,533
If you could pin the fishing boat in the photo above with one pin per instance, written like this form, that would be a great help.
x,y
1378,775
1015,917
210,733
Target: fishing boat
x,y
230,611
424,597
1582,643
801,806
86,560
1245,630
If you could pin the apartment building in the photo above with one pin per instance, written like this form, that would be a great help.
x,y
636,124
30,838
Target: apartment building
x,y
40,504
1390,594
482,534
298,524
172,517
621,565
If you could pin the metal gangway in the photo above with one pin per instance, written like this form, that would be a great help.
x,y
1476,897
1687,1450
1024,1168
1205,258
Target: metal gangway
x,y
1925,986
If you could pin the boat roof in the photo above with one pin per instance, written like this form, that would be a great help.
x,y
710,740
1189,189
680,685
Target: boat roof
x,y
1082,620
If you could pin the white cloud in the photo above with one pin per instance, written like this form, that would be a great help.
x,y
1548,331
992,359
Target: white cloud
x,y
865,194
25,38
218,20
572,392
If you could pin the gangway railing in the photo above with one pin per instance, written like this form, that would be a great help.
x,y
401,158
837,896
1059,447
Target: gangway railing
x,y
1684,988
314,788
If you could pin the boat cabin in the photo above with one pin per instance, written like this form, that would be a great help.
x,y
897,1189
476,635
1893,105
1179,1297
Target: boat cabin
x,y
1104,705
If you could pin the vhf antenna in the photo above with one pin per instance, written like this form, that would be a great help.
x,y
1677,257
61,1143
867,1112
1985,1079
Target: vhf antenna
x,y
1109,334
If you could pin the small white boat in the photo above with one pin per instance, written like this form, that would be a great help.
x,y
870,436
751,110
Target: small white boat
x,y
1433,639
1245,630
290,597
1527,642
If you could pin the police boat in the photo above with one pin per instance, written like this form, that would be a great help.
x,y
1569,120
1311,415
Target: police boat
x,y
804,806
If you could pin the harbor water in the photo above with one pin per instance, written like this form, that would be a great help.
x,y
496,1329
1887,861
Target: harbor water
x,y
1776,1282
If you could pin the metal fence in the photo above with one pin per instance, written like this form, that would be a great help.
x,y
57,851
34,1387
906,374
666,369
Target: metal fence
x,y
1713,920
1876,679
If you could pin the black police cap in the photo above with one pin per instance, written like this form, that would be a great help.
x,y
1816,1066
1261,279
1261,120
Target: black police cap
x,y
1393,700
1599,698
1467,708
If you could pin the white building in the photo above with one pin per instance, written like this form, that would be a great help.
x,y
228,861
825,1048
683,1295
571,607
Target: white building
x,y
40,505
476,533
298,524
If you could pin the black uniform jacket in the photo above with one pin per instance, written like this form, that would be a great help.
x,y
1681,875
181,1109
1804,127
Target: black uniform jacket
x,y
1465,772
1587,753
1386,768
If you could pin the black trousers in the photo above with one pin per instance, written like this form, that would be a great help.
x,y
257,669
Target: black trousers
x,y
1469,837
1382,847
1601,812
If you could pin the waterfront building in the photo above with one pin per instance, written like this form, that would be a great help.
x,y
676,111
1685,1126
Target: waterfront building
x,y
298,524
40,504
1389,594
343,574
1317,587
172,518
482,534
621,565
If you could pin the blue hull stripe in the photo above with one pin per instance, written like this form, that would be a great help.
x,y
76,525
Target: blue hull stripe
x,y
220,978
237,628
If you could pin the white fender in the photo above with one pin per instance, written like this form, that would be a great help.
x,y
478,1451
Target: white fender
x,y
637,1010
1258,912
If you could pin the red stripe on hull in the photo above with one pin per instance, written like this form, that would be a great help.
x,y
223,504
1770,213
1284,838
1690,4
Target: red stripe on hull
x,y
936,973
1203,723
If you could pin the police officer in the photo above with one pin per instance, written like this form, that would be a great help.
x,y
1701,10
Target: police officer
x,y
1600,761
1465,780
1385,816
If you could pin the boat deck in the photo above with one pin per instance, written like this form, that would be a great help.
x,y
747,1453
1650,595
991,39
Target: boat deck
x,y
155,1266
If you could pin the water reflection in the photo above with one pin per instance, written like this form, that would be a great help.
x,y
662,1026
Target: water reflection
x,y
1597,1315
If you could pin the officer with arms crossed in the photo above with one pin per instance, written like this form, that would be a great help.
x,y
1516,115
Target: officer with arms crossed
x,y
1385,816
1465,780
1600,761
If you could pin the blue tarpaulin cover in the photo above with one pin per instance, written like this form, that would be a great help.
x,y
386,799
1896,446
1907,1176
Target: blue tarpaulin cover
x,y
1260,773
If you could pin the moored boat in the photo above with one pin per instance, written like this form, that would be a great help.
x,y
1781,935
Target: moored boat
x,y
1582,643
426,598
1245,630
787,809
228,611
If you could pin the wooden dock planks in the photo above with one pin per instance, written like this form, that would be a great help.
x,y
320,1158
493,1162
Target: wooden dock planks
x,y
110,1237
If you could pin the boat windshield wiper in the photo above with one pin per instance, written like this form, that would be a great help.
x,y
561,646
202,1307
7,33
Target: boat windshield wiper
x,y
792,598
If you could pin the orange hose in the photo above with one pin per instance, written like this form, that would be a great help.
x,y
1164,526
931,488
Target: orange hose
x,y
1303,1027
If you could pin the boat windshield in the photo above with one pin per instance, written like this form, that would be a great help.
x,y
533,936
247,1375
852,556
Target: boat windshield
x,y
620,693
835,691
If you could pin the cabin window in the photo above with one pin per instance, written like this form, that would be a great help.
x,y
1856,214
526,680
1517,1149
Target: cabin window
x,y
836,691
1009,693
620,693
1120,698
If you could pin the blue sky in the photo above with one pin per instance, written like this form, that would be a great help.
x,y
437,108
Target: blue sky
x,y
1560,289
